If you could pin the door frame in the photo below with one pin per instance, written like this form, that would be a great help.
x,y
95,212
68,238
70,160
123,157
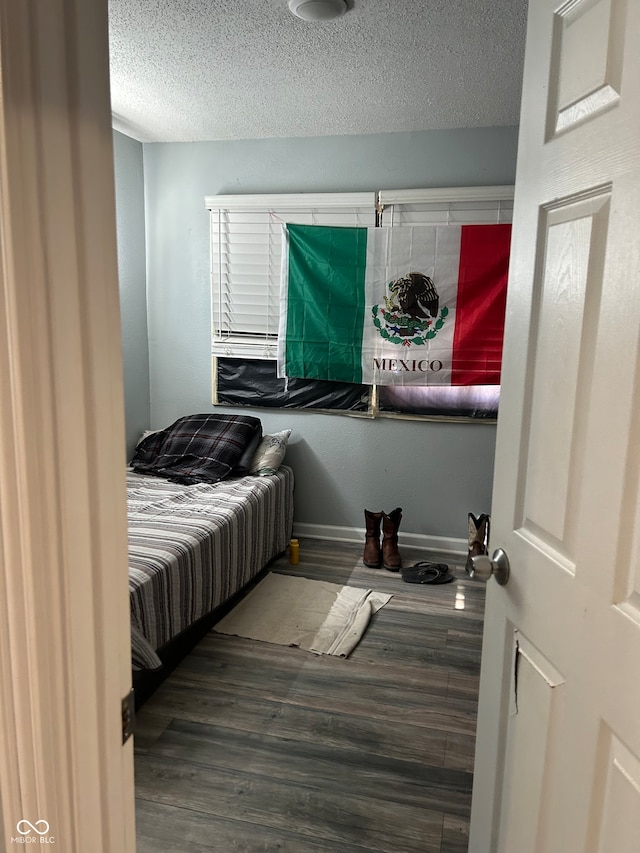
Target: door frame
x,y
64,612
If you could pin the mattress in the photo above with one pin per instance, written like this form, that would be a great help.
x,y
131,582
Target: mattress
x,y
191,547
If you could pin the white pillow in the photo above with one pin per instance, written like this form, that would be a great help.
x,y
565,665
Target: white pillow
x,y
270,453
146,434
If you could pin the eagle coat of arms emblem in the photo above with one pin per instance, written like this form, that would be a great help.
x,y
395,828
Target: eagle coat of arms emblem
x,y
410,313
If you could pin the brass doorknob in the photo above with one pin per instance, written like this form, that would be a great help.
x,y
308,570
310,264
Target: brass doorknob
x,y
483,567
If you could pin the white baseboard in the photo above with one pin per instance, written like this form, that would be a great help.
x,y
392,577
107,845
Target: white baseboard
x,y
419,541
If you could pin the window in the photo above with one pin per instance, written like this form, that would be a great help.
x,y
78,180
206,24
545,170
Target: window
x,y
246,235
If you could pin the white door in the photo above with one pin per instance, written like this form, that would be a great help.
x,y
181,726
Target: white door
x,y
558,749
66,779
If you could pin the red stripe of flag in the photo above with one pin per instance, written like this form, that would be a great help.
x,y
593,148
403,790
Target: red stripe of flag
x,y
480,304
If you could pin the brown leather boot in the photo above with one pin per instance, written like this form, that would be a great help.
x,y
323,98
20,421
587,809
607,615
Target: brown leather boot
x,y
390,555
478,537
372,556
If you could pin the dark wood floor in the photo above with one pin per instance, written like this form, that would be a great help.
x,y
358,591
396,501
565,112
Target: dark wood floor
x,y
254,747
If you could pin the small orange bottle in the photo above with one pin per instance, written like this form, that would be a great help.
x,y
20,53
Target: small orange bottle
x,y
294,552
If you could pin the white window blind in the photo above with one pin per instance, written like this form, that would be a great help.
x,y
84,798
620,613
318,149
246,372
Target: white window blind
x,y
447,206
246,240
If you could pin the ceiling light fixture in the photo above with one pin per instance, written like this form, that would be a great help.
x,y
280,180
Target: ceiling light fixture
x,y
317,10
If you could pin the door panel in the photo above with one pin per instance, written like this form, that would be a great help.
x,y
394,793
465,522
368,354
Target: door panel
x,y
587,52
561,366
616,802
536,706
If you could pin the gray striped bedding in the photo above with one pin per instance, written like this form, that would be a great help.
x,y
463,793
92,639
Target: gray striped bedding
x,y
191,547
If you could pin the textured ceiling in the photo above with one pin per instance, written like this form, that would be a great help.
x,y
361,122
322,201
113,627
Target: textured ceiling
x,y
186,70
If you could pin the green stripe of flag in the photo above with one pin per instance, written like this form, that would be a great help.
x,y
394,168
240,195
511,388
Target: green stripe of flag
x,y
325,302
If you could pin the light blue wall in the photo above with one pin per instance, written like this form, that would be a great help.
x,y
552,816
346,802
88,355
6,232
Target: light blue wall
x,y
437,472
129,177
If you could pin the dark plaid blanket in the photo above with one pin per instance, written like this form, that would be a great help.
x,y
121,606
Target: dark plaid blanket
x,y
196,448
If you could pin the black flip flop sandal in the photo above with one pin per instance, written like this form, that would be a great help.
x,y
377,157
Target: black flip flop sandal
x,y
418,568
430,576
427,573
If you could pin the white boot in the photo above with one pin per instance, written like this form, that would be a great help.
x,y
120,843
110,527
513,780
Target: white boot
x,y
478,537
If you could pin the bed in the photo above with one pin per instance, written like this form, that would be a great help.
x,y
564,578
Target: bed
x,y
206,515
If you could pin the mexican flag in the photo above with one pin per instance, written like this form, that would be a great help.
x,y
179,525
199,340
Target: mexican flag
x,y
417,305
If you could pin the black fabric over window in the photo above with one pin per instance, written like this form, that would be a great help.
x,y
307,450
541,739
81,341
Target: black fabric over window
x,y
253,382
470,401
